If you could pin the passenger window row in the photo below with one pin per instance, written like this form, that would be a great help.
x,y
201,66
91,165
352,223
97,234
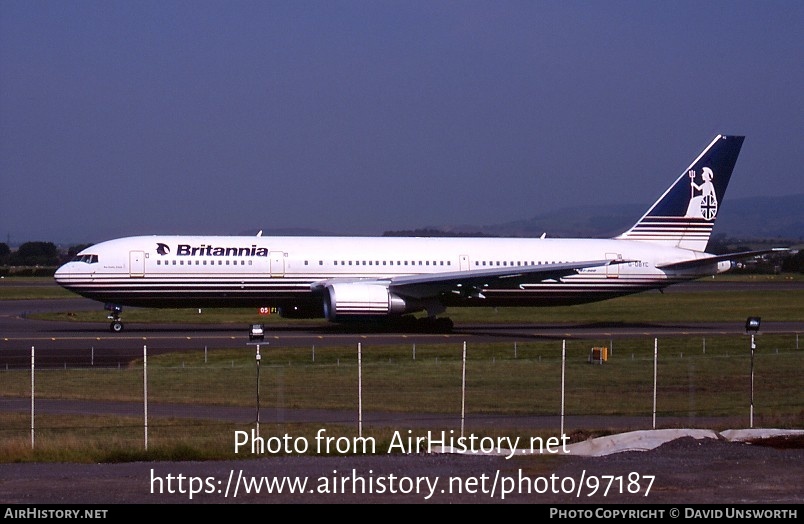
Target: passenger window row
x,y
203,262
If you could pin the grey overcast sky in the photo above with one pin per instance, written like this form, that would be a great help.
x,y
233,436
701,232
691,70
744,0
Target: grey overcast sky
x,y
357,117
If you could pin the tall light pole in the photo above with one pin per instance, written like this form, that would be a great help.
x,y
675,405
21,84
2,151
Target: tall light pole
x,y
259,357
752,326
256,332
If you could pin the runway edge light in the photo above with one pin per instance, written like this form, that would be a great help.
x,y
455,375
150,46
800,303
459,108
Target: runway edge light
x,y
752,324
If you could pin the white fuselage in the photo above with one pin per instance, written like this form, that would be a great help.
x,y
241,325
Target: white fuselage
x,y
241,271
342,278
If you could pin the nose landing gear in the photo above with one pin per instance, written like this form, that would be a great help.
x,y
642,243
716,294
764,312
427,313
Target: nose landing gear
x,y
116,326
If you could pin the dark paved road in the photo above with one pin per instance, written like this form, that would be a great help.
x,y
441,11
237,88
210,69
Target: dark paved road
x,y
18,333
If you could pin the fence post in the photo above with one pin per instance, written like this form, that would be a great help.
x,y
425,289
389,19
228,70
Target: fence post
x,y
32,397
145,391
463,388
563,365
655,359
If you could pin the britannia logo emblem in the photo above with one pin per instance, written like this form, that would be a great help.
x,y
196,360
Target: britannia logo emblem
x,y
709,207
162,249
703,200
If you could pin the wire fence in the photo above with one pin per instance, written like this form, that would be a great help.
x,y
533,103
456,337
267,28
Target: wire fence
x,y
132,400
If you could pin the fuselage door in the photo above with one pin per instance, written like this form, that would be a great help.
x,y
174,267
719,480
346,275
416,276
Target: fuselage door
x,y
136,263
277,263
464,262
613,270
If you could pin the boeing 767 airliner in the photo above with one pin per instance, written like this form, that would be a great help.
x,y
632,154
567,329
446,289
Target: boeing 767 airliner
x,y
384,278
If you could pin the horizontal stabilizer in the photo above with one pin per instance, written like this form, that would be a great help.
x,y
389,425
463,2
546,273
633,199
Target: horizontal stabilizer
x,y
688,264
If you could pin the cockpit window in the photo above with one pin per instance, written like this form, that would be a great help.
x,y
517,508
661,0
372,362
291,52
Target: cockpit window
x,y
88,259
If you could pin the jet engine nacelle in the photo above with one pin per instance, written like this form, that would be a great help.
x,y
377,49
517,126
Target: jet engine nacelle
x,y
356,299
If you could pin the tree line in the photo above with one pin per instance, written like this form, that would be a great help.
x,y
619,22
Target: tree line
x,y
32,254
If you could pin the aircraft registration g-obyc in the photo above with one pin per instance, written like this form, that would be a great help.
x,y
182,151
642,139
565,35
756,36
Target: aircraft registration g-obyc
x,y
386,278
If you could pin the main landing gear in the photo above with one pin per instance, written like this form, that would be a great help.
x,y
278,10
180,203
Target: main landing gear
x,y
437,325
116,326
411,324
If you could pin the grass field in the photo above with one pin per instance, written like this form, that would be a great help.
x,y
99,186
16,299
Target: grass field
x,y
698,380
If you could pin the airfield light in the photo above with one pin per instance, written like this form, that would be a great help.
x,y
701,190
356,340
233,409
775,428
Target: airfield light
x,y
259,357
257,333
752,326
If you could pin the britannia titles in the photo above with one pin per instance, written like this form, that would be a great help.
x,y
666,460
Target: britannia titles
x,y
186,250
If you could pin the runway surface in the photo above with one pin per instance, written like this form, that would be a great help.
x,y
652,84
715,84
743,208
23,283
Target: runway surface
x,y
19,333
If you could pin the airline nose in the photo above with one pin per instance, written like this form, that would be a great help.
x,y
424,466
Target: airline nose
x,y
62,273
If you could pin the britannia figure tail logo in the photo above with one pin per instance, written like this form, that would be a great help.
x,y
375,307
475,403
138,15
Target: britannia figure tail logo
x,y
703,200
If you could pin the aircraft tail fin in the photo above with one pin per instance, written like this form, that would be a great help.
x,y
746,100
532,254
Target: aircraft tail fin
x,y
685,214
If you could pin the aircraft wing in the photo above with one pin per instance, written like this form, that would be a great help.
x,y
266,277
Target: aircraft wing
x,y
688,264
472,283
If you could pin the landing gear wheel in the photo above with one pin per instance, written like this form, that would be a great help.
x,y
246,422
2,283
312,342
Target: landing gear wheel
x,y
444,325
117,325
435,325
441,325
